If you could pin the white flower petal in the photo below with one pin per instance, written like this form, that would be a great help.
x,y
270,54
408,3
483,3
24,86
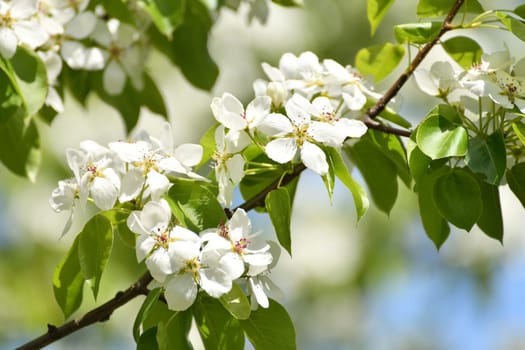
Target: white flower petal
x,y
314,158
81,26
104,193
215,282
181,292
239,225
159,264
232,264
8,42
281,150
143,246
158,184
114,78
30,33
275,124
189,154
131,184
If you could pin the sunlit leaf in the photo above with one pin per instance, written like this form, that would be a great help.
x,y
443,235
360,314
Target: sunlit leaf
x,y
173,333
438,137
436,8
380,60
166,14
416,33
376,10
94,247
513,25
465,51
519,129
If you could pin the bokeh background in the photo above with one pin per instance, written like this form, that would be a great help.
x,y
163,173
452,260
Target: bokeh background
x,y
376,284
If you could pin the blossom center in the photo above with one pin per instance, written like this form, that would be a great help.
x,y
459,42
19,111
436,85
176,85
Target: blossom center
x,y
241,245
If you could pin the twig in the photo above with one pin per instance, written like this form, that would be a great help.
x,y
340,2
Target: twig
x,y
374,111
99,314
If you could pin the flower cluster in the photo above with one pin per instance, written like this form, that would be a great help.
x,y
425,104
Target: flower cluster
x,y
67,31
139,172
307,105
494,80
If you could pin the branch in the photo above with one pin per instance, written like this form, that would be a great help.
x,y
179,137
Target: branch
x,y
99,314
374,124
374,111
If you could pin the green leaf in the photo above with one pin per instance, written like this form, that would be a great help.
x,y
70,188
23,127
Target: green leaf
x,y
391,116
289,3
416,33
94,248
11,103
165,14
173,333
31,77
207,142
194,205
217,328
438,137
516,180
436,227
68,282
465,51
379,60
371,162
278,206
236,302
491,221
341,171
147,305
487,156
418,163
376,10
436,8
520,11
392,147
118,218
19,143
148,340
519,129
514,25
458,198
270,329
190,47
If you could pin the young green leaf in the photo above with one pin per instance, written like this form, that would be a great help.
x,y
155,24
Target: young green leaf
x,y
487,156
379,60
458,198
68,282
217,328
236,302
437,8
278,206
416,33
147,305
465,51
341,171
94,248
195,206
173,333
490,221
376,10
392,147
20,144
438,137
436,227
270,329
516,180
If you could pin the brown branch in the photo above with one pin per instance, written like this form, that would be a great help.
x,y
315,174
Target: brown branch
x,y
104,311
99,314
374,111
